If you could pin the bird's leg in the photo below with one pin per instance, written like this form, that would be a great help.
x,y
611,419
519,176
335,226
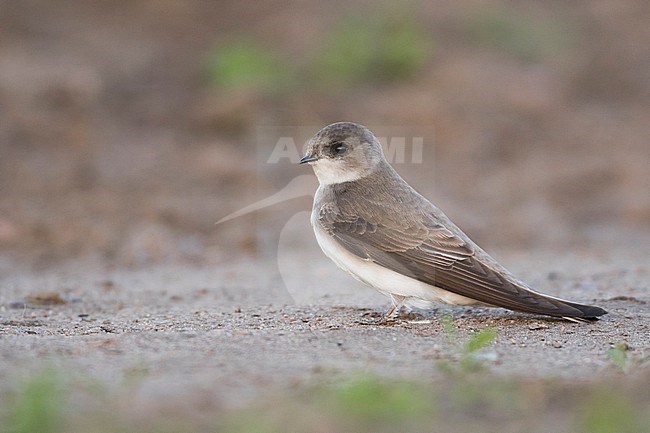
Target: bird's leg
x,y
388,318
396,302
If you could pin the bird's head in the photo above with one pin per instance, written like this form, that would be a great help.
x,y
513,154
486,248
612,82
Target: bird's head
x,y
343,152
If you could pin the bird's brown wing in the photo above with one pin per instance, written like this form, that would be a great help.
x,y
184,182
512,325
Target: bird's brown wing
x,y
426,250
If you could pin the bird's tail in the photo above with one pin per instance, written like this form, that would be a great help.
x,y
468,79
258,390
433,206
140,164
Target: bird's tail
x,y
585,313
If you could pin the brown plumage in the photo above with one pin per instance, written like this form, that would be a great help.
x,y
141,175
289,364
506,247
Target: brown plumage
x,y
378,228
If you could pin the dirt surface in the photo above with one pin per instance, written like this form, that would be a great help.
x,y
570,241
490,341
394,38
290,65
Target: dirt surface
x,y
205,333
117,156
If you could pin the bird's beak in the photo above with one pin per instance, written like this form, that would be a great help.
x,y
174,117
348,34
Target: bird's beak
x,y
308,158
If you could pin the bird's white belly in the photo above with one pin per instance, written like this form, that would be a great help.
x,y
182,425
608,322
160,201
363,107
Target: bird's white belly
x,y
383,279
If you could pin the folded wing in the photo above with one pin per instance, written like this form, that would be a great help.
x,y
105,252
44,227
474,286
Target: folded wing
x,y
428,251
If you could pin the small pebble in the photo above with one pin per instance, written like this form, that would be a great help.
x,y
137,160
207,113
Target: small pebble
x,y
535,326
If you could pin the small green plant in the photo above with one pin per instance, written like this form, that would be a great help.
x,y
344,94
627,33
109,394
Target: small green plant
x,y
516,34
370,398
608,412
619,355
448,327
245,65
36,407
469,360
622,357
372,49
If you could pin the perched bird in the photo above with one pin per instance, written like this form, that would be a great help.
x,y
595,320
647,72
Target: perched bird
x,y
375,226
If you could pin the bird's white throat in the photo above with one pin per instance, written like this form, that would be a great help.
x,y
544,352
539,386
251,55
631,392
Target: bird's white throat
x,y
331,172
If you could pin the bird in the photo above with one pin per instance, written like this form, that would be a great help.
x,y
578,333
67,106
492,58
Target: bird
x,y
375,226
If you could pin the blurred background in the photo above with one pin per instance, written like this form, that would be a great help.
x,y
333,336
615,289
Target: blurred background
x,y
128,128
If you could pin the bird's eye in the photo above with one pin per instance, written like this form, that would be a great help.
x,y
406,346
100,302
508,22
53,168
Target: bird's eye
x,y
339,148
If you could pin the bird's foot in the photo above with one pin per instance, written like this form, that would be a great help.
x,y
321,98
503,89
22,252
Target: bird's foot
x,y
377,319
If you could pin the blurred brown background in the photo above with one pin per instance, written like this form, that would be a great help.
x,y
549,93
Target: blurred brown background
x,y
129,127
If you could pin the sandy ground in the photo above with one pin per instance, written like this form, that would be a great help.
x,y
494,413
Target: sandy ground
x,y
233,332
